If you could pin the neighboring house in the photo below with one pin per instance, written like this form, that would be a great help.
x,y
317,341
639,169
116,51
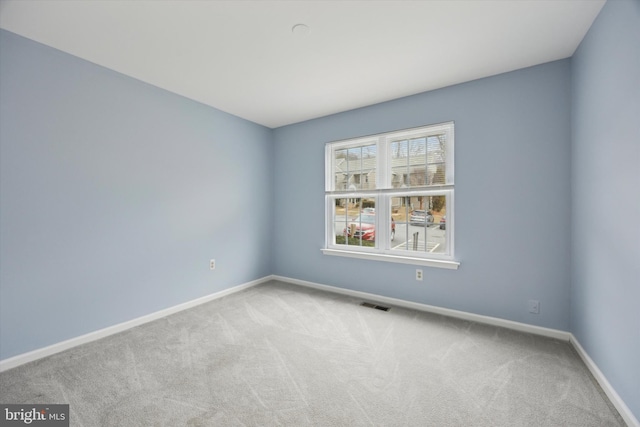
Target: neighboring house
x,y
415,163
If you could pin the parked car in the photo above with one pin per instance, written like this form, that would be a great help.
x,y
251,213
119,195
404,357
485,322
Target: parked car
x,y
365,226
443,222
369,210
420,217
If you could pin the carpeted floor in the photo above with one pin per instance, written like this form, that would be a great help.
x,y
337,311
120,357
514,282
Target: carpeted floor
x,y
282,355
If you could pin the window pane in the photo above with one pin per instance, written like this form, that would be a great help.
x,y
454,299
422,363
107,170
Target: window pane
x,y
409,163
419,224
400,209
399,165
436,159
354,222
418,162
340,170
355,168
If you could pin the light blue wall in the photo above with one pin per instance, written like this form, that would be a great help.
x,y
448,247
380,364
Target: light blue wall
x,y
605,292
512,197
114,196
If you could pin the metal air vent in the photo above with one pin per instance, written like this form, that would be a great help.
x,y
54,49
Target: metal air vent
x,y
377,307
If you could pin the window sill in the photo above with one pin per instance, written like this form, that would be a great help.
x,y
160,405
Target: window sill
x,y
451,265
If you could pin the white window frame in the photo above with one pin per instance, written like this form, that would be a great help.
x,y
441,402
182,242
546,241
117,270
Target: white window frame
x,y
384,193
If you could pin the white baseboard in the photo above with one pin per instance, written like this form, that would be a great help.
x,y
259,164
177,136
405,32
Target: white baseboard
x,y
619,404
608,389
21,359
522,327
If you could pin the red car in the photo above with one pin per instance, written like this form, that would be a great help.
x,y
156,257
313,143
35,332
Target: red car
x,y
365,226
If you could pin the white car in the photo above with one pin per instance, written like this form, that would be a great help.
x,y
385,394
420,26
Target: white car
x,y
420,217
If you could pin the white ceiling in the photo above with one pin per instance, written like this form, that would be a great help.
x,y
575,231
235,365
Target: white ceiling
x,y
243,58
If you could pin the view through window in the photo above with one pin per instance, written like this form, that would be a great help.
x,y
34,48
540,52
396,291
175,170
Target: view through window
x,y
392,193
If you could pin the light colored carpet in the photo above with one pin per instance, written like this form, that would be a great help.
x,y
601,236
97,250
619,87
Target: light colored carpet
x,y
281,355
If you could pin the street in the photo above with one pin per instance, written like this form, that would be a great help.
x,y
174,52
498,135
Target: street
x,y
404,240
404,237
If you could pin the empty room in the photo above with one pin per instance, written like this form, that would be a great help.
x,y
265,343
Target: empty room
x,y
320,213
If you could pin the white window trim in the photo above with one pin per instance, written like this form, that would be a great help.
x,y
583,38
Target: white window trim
x,y
384,193
427,262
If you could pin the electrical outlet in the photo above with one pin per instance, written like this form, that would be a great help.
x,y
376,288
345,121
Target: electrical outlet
x,y
534,306
418,274
212,264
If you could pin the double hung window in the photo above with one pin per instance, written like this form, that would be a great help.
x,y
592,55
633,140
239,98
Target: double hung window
x,y
391,196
